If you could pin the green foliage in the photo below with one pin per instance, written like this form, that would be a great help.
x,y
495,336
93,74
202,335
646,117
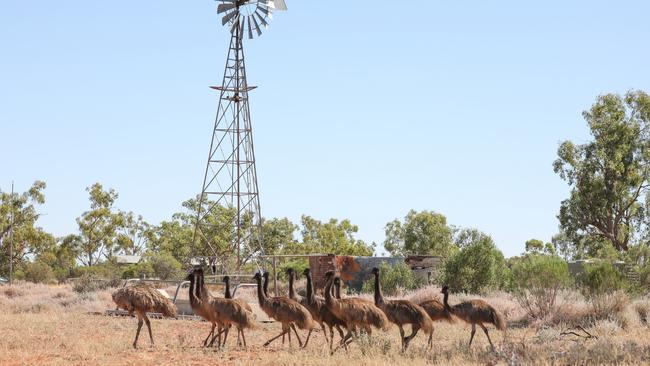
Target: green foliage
x,y
537,280
421,233
298,264
104,270
608,175
28,239
478,266
165,266
278,235
138,270
335,237
38,272
393,279
89,282
134,235
601,278
97,227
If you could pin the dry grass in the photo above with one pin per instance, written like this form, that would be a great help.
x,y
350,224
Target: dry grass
x,y
51,325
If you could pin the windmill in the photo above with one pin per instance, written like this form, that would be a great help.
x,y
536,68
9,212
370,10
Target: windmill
x,y
228,214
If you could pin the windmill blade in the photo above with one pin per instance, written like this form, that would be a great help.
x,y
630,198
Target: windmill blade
x,y
257,26
229,16
250,30
241,28
261,19
279,4
225,7
262,9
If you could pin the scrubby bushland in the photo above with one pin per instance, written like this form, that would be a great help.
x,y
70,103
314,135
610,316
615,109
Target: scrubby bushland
x,y
537,280
601,278
477,267
165,266
394,279
38,272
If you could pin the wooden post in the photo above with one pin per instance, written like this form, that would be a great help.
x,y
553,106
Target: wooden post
x,y
275,277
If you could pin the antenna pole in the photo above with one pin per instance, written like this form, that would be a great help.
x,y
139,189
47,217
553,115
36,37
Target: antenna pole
x,y
11,237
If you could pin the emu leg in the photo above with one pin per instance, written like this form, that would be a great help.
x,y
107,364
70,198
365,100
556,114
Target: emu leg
x,y
487,335
137,333
284,331
338,327
322,325
243,337
430,343
148,323
472,336
289,336
307,341
225,336
401,333
205,342
343,341
293,326
414,331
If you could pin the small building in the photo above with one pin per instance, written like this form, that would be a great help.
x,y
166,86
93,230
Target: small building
x,y
127,259
356,270
425,267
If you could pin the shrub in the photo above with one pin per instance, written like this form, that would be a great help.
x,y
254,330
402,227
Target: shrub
x,y
139,270
298,264
393,279
608,305
601,278
478,266
165,266
38,272
537,280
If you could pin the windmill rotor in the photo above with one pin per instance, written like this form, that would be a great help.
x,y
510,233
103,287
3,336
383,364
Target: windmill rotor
x,y
248,16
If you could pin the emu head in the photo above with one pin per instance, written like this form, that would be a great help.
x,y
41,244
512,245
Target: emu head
x,y
306,272
375,271
445,288
257,277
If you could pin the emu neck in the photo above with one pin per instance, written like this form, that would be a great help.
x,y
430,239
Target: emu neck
x,y
338,290
201,291
227,294
266,286
292,292
193,299
261,297
329,301
379,298
445,298
310,290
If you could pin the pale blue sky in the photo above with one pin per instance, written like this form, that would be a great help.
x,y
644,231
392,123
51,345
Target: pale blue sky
x,y
365,109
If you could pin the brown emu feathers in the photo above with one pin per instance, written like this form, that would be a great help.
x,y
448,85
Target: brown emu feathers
x,y
142,299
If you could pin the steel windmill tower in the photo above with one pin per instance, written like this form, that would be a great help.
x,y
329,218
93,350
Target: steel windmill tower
x,y
230,180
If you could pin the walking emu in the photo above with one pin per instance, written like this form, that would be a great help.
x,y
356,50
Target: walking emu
x,y
198,308
143,299
355,312
243,303
475,312
320,312
402,312
436,311
284,310
226,312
